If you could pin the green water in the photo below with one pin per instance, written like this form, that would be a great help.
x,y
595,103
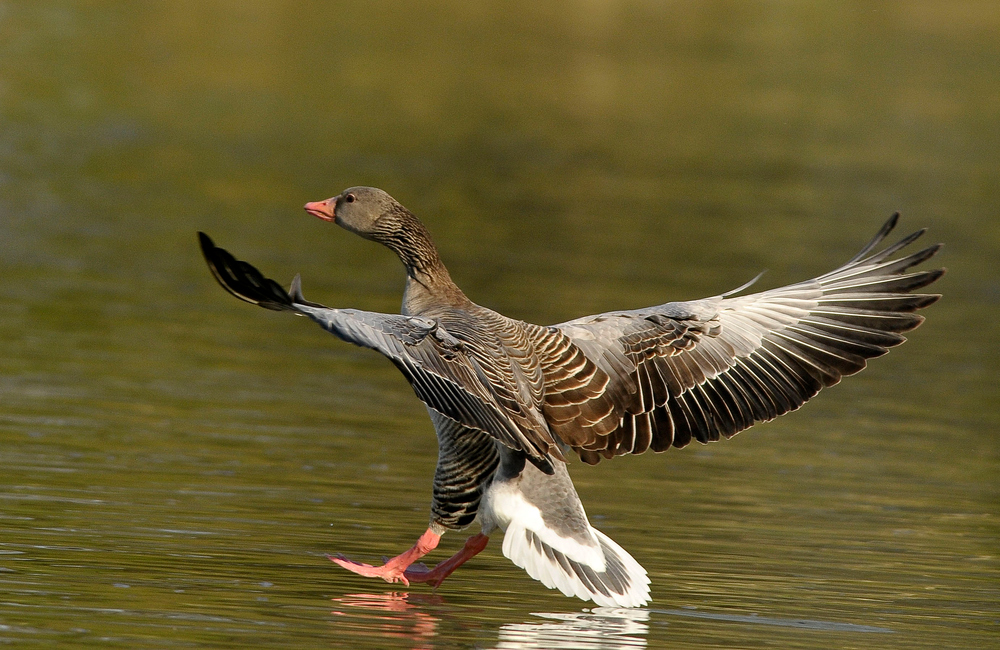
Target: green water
x,y
175,465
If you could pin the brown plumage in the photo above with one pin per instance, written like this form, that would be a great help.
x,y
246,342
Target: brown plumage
x,y
502,391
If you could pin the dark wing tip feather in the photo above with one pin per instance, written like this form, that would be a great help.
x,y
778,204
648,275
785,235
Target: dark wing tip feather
x,y
898,246
927,278
877,239
919,258
242,279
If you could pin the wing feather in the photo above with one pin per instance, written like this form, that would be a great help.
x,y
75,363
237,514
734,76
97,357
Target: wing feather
x,y
707,369
451,376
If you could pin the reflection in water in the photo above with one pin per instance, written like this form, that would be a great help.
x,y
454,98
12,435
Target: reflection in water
x,y
602,627
399,615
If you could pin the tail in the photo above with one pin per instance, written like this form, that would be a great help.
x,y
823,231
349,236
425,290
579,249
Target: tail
x,y
244,281
610,578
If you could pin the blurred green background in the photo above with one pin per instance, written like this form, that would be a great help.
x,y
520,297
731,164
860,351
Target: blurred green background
x,y
174,465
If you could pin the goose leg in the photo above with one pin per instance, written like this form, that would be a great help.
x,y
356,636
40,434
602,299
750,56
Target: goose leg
x,y
394,570
436,576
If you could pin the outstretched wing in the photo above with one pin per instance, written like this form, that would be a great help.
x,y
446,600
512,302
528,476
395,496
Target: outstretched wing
x,y
439,367
710,368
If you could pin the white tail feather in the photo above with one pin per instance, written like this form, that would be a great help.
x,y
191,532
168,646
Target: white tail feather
x,y
618,580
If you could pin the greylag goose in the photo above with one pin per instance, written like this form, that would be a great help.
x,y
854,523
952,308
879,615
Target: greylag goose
x,y
512,402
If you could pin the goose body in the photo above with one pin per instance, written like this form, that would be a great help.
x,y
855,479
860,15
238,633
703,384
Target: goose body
x,y
512,402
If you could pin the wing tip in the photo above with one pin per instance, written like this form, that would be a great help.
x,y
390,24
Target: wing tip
x,y
242,279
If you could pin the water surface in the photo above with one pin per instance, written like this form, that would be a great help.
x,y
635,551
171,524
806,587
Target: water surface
x,y
175,465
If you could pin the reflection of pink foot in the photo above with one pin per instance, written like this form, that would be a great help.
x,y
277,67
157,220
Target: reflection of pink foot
x,y
435,576
393,570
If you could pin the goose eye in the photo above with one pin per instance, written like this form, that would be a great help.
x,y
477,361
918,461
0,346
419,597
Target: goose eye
x,y
349,198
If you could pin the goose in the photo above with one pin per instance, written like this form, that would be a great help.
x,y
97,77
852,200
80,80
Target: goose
x,y
512,402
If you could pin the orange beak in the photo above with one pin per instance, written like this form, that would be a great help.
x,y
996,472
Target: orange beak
x,y
323,209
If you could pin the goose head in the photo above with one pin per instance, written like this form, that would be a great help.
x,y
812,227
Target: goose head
x,y
373,214
366,211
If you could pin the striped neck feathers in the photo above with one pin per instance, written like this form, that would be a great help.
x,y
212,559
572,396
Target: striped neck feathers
x,y
428,283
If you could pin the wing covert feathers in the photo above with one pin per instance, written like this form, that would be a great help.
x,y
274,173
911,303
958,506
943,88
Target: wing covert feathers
x,y
458,367
707,369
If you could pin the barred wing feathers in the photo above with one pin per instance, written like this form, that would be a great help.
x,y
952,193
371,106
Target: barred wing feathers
x,y
451,375
710,368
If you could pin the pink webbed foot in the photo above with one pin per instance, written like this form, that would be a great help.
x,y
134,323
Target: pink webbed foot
x,y
390,572
393,570
434,577
402,568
